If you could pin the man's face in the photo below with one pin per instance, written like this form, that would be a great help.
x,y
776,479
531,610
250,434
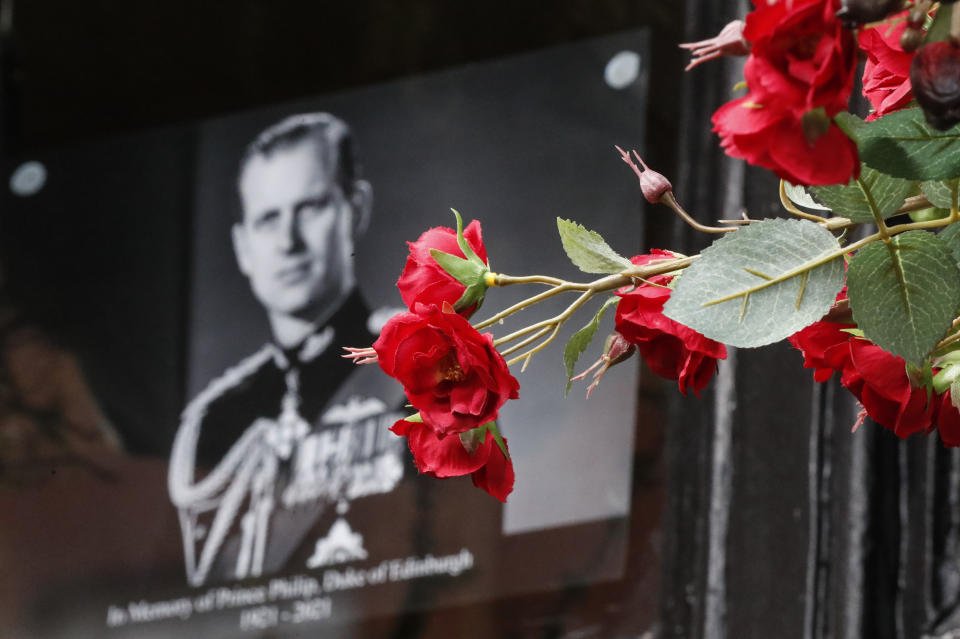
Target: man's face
x,y
295,241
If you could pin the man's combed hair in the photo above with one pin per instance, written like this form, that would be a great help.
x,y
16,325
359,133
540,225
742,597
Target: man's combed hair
x,y
334,138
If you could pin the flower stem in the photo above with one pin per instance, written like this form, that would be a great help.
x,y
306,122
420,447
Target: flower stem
x,y
530,301
671,201
607,283
516,347
507,280
787,204
548,323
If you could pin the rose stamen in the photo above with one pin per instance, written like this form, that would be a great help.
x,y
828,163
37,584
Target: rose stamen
x,y
449,370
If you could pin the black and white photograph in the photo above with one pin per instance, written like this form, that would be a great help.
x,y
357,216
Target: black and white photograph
x,y
258,487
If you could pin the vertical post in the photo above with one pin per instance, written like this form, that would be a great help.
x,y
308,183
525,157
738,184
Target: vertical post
x,y
8,130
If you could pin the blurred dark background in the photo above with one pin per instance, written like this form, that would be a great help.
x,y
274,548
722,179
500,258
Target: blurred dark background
x,y
79,69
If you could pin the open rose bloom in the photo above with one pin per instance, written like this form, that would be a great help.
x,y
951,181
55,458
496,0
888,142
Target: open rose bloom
x,y
799,74
669,348
886,74
878,380
489,468
450,372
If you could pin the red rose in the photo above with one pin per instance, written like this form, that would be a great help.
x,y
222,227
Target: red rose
x,y
446,456
825,347
876,378
669,348
807,49
879,380
450,372
886,75
799,74
948,420
423,280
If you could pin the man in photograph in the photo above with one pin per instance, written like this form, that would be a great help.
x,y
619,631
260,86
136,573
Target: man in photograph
x,y
269,457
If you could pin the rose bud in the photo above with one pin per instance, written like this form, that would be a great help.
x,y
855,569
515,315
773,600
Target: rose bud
x,y
911,39
653,185
616,349
438,269
451,373
854,12
935,76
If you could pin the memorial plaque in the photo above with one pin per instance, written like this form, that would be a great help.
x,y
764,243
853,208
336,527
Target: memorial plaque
x,y
214,467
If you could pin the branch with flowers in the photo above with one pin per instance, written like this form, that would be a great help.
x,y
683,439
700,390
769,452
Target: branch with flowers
x,y
881,310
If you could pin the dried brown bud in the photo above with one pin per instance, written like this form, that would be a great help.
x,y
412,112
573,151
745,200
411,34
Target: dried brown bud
x,y
854,12
911,39
916,18
935,76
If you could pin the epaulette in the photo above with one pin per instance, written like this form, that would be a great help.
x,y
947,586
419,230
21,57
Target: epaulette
x,y
231,378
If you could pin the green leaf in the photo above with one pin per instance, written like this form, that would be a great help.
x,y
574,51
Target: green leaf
x,y
474,438
581,339
903,145
955,393
462,241
940,193
470,273
867,197
761,284
464,271
945,378
951,237
492,427
904,294
799,196
588,251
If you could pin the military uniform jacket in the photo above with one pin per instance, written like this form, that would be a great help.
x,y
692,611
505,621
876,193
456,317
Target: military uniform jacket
x,y
285,463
